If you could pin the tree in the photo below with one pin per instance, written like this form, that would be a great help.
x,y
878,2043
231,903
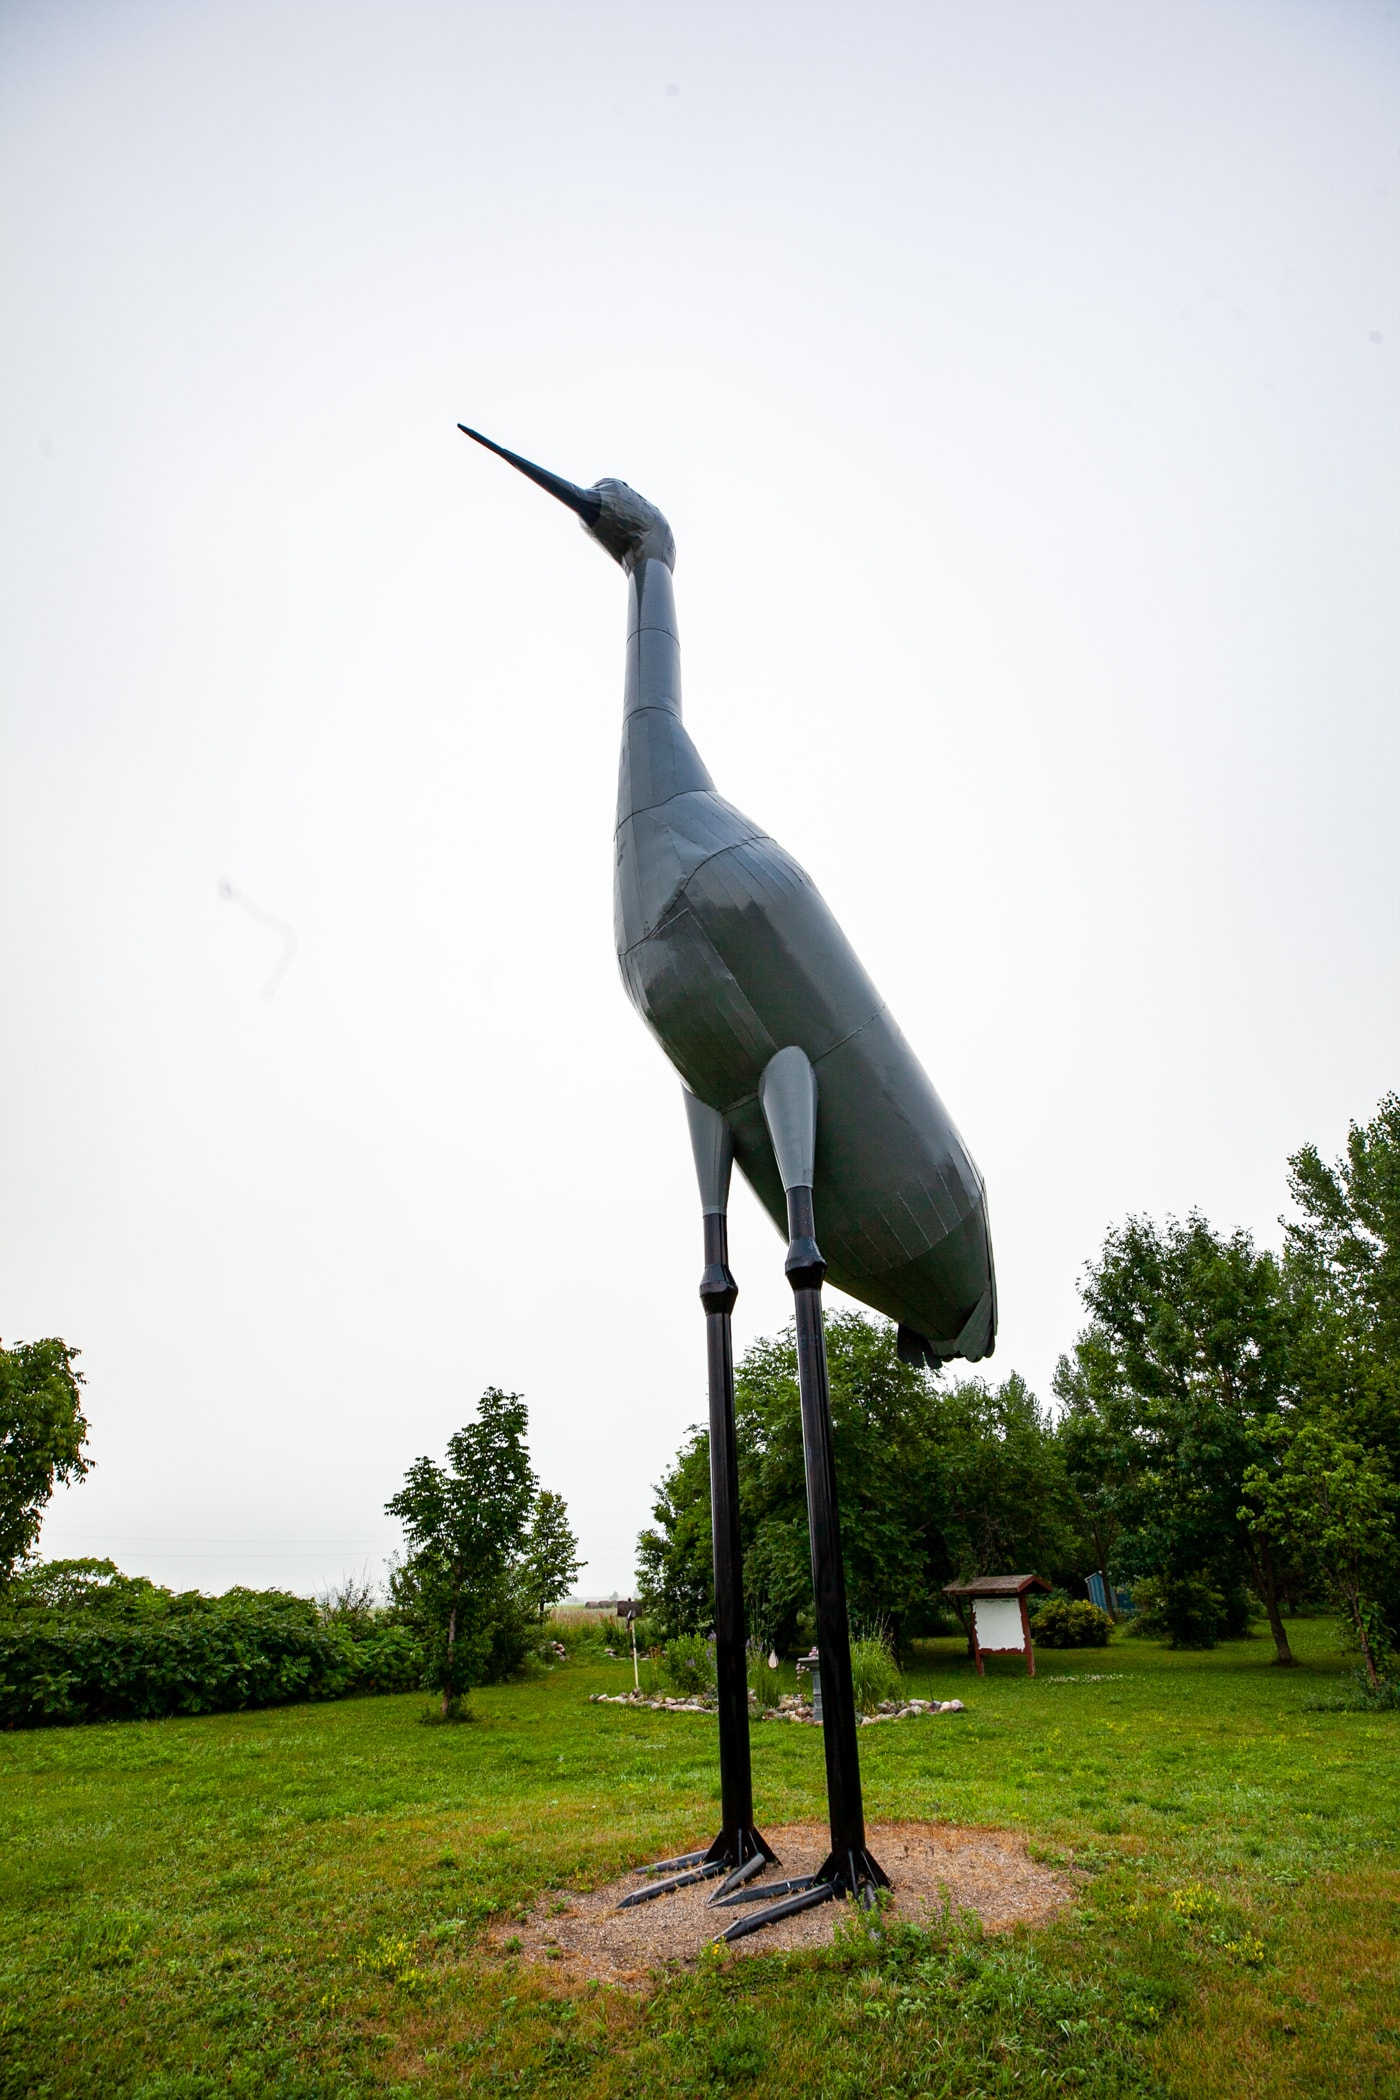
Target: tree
x,y
882,1437
549,1561
932,1481
1349,1233
1094,1461
675,1569
1333,1503
42,1434
466,1525
1342,1260
1184,1369
1342,1264
1004,1504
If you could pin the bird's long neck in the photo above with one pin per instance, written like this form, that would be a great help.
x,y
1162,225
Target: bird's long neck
x,y
658,758
653,641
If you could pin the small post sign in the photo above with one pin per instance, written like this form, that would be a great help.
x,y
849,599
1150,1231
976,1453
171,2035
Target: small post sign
x,y
1001,1624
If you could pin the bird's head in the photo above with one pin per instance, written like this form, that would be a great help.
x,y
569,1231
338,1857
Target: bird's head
x,y
623,523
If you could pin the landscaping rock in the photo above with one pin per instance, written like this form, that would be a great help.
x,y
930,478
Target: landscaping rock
x,y
672,1706
789,1708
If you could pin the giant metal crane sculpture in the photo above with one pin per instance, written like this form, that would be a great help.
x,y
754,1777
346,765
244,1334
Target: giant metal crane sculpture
x,y
792,1065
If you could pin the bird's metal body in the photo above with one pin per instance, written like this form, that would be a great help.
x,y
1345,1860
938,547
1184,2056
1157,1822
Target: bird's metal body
x,y
729,953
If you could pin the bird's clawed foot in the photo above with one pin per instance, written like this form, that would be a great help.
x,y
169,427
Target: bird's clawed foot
x,y
855,1872
736,1854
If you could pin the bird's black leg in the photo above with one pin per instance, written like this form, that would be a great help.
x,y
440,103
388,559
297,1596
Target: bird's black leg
x,y
740,1850
850,1866
789,1098
740,1844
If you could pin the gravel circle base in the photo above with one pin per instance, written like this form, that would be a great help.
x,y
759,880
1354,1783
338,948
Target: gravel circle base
x,y
931,1866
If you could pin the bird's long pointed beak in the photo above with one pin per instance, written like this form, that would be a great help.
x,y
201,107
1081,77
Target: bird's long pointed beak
x,y
587,502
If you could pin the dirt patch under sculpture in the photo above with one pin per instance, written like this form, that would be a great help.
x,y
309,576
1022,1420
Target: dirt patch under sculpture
x,y
931,1866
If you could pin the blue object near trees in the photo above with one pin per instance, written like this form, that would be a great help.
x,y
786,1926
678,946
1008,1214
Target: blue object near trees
x,y
1122,1599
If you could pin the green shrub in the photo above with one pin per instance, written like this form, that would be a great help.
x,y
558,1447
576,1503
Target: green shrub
x,y
688,1665
514,1635
1064,1622
874,1672
387,1658
80,1641
1185,1611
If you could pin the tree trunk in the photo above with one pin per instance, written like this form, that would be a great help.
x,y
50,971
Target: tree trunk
x,y
447,1684
1358,1620
1266,1580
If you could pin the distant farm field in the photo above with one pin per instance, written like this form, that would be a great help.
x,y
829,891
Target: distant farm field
x,y
294,1903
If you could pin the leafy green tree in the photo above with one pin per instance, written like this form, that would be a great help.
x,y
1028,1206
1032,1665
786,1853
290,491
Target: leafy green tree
x,y
549,1560
933,1482
1342,1260
1096,1465
42,1434
1005,1504
1333,1503
881,1414
675,1571
465,1526
1349,1232
75,1589
1182,1373
1342,1265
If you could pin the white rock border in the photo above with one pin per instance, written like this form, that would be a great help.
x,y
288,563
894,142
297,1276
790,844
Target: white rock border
x,y
788,1709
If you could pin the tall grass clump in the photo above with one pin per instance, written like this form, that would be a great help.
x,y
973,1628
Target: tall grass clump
x,y
583,1640
874,1672
764,1683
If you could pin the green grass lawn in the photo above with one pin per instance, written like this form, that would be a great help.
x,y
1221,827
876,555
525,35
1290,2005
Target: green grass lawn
x,y
291,1903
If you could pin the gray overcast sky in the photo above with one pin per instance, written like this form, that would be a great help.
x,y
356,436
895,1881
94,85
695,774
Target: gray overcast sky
x,y
1020,383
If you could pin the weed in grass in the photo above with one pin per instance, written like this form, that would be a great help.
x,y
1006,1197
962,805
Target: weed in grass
x,y
1360,1697
738,2056
107,1939
456,1714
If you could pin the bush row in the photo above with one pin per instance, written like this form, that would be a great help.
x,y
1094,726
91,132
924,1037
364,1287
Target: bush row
x,y
81,1642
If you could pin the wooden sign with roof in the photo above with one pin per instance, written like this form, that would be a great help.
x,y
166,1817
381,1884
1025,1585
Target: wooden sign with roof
x,y
1000,1622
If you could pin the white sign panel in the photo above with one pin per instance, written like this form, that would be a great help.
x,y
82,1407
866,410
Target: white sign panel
x,y
998,1623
